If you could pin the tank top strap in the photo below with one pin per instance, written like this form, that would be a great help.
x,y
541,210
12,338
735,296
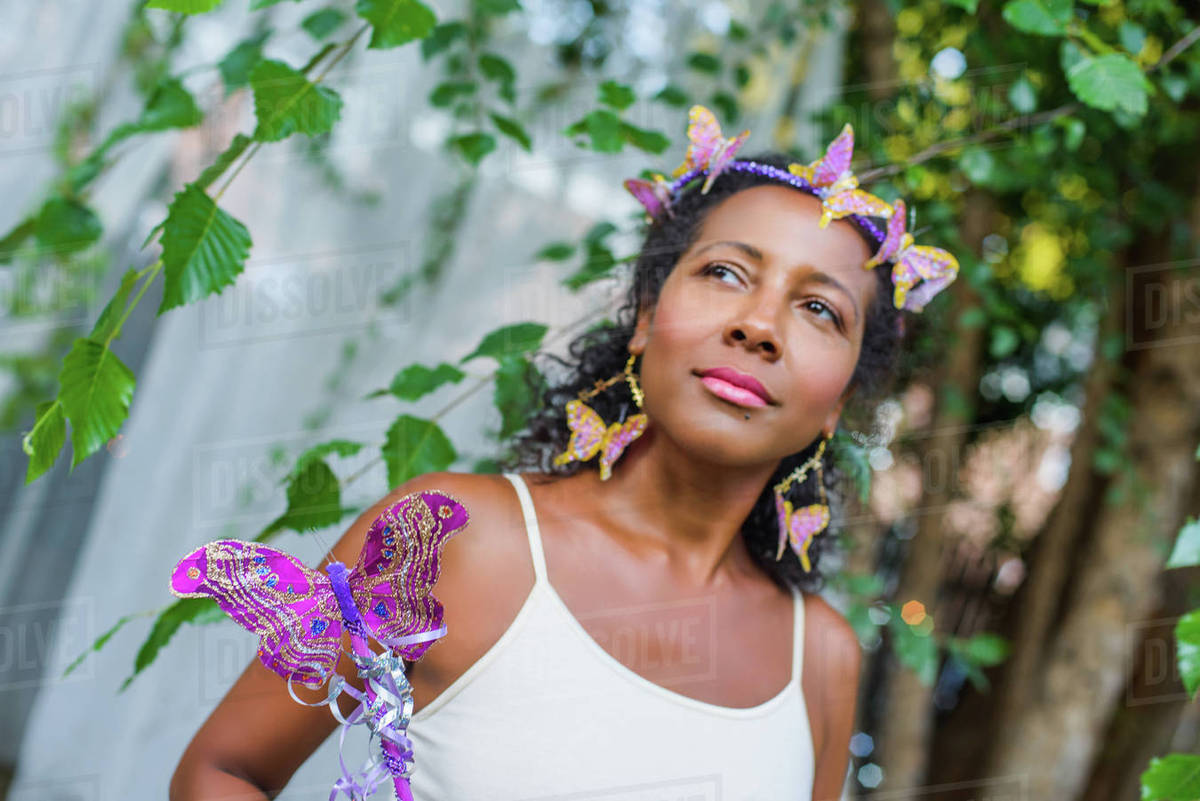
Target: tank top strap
x,y
531,527
797,634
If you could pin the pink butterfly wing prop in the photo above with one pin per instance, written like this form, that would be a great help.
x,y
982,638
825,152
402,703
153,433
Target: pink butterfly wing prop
x,y
853,201
704,136
836,160
653,195
725,153
400,564
618,436
587,433
896,227
933,267
290,606
806,522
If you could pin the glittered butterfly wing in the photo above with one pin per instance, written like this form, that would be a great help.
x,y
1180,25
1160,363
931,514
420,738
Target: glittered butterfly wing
x,y
933,267
782,510
836,160
290,606
587,433
653,195
726,150
804,524
853,201
399,565
896,228
704,137
616,438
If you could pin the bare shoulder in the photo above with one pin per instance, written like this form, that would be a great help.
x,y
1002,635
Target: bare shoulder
x,y
485,571
831,668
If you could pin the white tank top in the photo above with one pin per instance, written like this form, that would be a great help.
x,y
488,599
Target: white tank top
x,y
546,713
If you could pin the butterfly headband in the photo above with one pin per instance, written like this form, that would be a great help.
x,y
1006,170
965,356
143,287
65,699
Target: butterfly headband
x,y
918,271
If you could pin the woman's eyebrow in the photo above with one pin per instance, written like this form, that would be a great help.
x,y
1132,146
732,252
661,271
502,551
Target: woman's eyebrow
x,y
817,275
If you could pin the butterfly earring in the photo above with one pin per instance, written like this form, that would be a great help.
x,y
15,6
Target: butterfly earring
x,y
590,435
799,526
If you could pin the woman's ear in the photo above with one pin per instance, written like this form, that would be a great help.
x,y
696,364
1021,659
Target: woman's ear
x,y
641,330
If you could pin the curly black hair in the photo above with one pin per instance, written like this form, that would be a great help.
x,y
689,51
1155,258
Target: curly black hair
x,y
602,352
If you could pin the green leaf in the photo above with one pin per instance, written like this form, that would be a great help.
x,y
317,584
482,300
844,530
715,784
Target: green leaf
x,y
170,106
597,264
672,96
704,62
497,7
314,497
649,141
1074,130
185,610
441,37
617,95
64,225
741,75
1186,552
13,239
395,22
556,251
970,6
204,248
45,440
323,22
285,102
509,340
95,389
413,447
1109,82
215,170
447,92
235,68
599,232
1187,644
100,642
255,5
1042,17
986,649
1132,36
916,651
1175,777
603,128
515,396
473,146
496,68
105,328
1004,341
340,447
185,6
417,380
512,129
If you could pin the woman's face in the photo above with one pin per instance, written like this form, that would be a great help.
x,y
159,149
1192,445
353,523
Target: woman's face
x,y
766,292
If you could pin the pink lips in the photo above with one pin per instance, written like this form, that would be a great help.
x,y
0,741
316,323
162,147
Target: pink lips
x,y
735,386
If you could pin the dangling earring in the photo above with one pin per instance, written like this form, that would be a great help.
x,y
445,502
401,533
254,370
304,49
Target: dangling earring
x,y
799,526
590,435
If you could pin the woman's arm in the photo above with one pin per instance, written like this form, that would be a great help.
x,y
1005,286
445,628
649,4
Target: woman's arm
x,y
833,663
257,737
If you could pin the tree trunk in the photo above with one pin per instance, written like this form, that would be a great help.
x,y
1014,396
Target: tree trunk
x,y
1070,699
905,734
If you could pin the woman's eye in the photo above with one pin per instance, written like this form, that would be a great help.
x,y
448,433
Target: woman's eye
x,y
717,268
822,306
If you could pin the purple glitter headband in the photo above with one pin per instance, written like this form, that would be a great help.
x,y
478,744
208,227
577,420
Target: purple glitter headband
x,y
918,272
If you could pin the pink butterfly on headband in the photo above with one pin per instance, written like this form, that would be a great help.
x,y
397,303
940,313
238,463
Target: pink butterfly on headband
x,y
707,149
933,267
837,187
589,436
654,195
293,608
799,526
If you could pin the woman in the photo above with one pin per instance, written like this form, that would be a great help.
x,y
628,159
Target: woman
x,y
638,636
